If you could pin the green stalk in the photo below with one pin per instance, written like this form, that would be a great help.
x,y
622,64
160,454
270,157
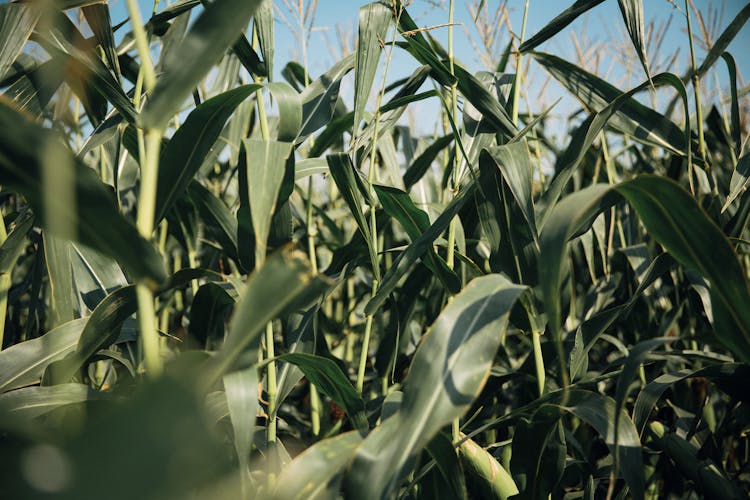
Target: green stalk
x,y
146,197
519,61
145,223
271,386
373,244
4,285
696,89
450,256
311,231
538,360
260,257
141,44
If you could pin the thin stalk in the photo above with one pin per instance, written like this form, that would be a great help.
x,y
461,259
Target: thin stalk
x,y
450,256
262,119
519,61
271,389
538,360
696,89
145,223
141,44
146,197
374,257
311,230
5,283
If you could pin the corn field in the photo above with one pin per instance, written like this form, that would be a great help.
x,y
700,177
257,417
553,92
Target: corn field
x,y
218,282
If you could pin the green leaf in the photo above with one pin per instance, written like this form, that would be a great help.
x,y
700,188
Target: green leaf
x,y
217,28
309,475
405,262
320,97
63,297
24,363
17,21
558,24
735,110
103,326
739,180
184,154
418,46
344,175
423,162
455,356
374,19
331,381
16,241
264,27
487,104
681,226
95,215
209,311
31,402
515,166
732,373
589,130
539,449
674,219
484,474
448,476
632,14
282,285
310,166
98,19
217,218
633,118
392,111
415,222
600,413
242,399
266,163
249,58
83,70
700,470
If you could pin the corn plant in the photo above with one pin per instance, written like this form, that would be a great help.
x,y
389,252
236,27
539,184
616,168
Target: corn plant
x,y
217,284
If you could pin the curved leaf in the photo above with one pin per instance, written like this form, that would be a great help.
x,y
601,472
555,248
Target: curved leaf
x,y
24,363
559,23
308,476
374,19
217,28
455,355
17,21
25,147
183,155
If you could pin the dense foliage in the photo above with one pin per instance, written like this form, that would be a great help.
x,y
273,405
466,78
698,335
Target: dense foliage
x,y
213,285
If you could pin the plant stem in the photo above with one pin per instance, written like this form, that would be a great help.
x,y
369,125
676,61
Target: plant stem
x,y
538,360
271,385
146,197
141,44
145,223
696,89
373,244
450,256
5,284
519,61
365,344
311,230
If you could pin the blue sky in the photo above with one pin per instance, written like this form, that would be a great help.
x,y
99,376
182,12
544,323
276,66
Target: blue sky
x,y
599,37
